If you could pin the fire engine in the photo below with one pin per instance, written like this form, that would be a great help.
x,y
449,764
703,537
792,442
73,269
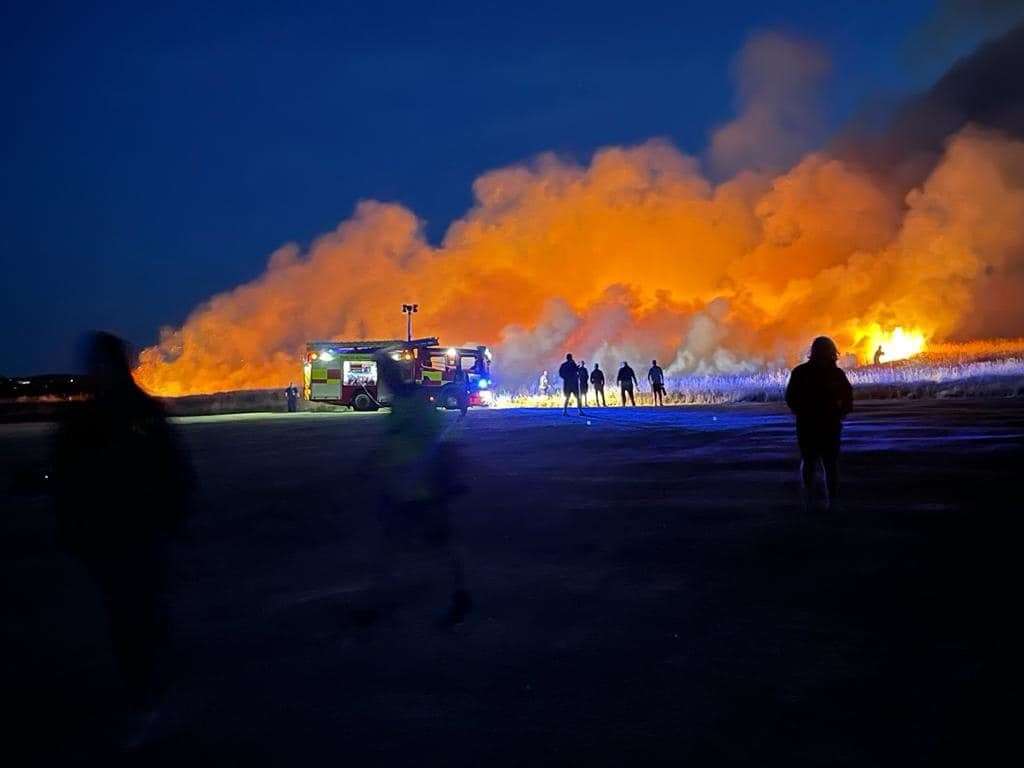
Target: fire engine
x,y
345,372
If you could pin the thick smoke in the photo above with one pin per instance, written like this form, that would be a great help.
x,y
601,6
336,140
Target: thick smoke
x,y
778,82
637,255
956,22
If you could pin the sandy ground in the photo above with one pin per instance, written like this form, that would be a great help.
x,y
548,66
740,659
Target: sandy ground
x,y
646,591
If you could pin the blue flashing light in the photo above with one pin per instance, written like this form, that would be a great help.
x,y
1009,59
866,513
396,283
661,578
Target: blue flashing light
x,y
483,383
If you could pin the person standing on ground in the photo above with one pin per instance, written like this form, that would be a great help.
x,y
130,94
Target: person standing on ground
x,y
543,387
820,396
461,382
626,379
597,381
292,396
584,381
657,378
569,373
121,490
878,355
417,468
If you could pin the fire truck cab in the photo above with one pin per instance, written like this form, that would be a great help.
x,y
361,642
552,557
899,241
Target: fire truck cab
x,y
345,372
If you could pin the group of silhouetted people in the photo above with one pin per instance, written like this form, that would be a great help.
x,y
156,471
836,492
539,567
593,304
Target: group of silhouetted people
x,y
818,394
577,381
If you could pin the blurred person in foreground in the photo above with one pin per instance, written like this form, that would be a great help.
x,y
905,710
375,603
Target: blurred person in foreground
x,y
121,489
461,382
820,396
418,480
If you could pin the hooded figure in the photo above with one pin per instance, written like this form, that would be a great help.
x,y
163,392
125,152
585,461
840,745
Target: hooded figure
x,y
820,396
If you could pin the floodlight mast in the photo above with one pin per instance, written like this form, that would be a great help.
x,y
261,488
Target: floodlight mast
x,y
408,309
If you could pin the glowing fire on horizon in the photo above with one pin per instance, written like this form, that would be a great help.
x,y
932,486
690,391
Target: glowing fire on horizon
x,y
896,343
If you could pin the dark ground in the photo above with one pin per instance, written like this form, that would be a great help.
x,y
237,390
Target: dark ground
x,y
646,590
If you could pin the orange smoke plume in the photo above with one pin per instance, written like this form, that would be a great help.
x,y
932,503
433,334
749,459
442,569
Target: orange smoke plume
x,y
636,256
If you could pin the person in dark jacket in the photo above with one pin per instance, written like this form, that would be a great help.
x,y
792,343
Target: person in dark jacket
x,y
291,394
657,378
461,382
121,486
584,381
626,379
820,396
597,382
569,373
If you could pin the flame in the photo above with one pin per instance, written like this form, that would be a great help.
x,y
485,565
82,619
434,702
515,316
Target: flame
x,y
896,343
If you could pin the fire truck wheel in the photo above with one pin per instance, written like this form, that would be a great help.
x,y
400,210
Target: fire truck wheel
x,y
363,402
450,398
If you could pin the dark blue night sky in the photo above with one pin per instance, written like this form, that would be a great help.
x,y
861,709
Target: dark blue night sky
x,y
154,157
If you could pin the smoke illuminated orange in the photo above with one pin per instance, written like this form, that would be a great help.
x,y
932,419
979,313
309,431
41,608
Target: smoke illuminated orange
x,y
637,255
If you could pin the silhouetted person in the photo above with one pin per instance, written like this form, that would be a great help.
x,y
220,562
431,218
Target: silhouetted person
x,y
584,375
657,378
627,380
569,373
461,382
292,396
820,396
121,490
418,479
878,354
543,387
597,382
